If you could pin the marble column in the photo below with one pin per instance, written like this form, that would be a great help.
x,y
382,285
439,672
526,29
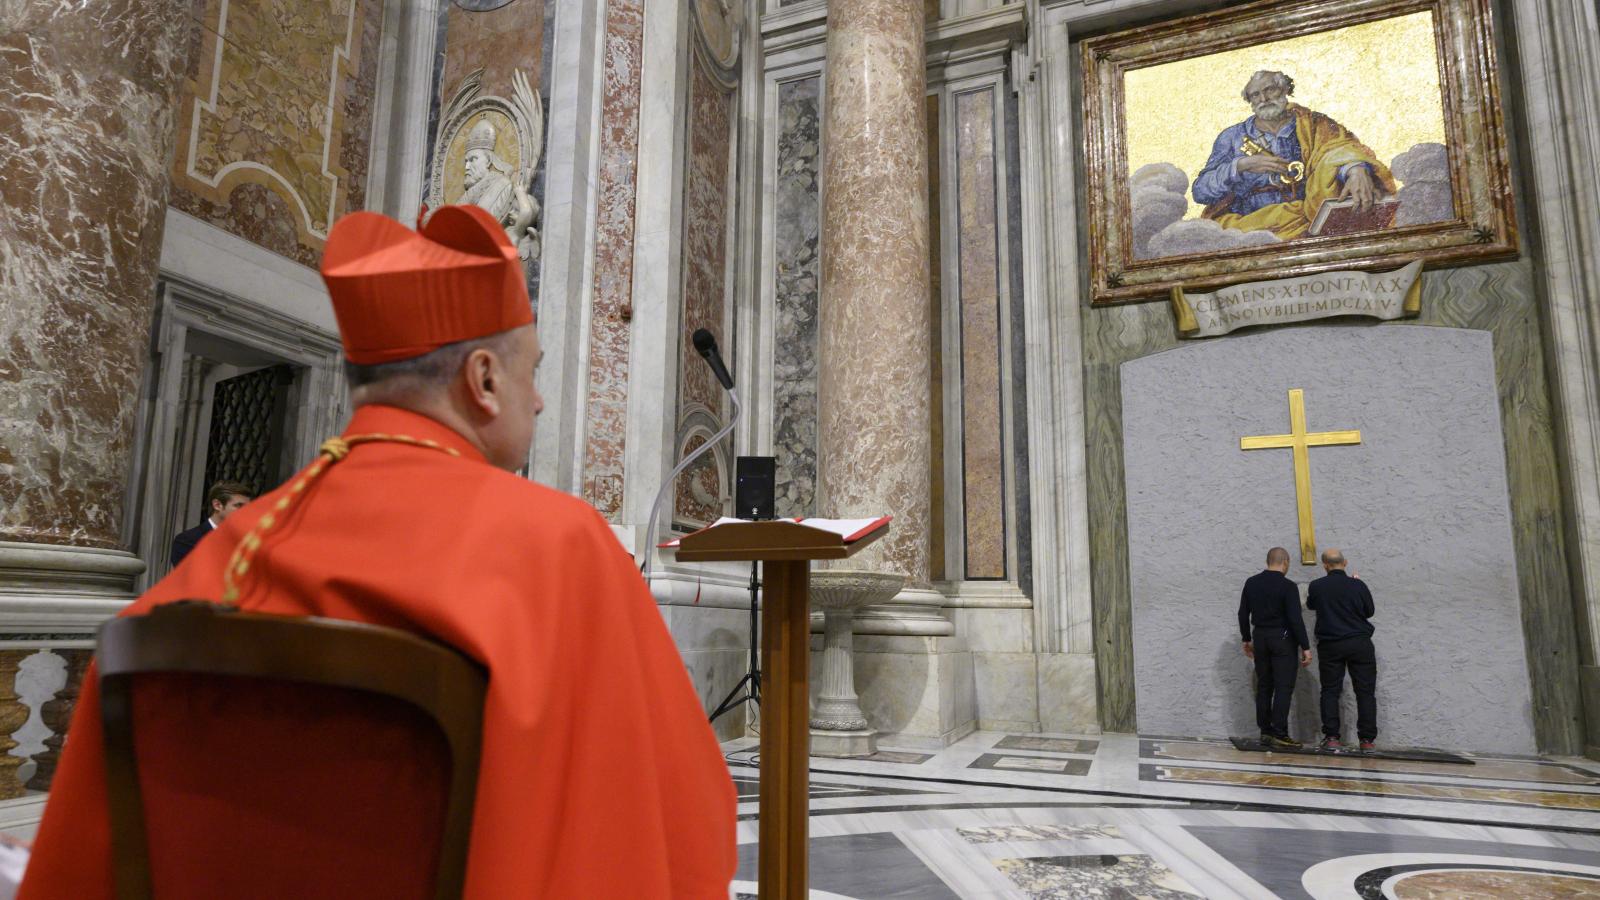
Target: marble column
x,y
86,139
874,330
874,348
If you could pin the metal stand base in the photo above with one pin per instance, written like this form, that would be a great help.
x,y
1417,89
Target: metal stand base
x,y
748,687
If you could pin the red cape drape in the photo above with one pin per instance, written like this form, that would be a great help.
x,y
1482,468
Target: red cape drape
x,y
600,775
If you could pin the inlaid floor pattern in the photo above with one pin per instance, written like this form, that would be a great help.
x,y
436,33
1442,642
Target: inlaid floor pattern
x,y
1028,817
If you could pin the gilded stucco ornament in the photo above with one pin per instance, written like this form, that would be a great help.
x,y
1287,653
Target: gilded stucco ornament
x,y
486,154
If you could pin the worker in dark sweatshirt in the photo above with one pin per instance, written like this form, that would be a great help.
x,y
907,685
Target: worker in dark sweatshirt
x,y
1344,641
1273,630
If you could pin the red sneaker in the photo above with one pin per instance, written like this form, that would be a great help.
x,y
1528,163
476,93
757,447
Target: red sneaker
x,y
1368,746
1330,742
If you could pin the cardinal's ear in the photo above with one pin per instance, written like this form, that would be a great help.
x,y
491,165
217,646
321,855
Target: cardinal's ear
x,y
482,371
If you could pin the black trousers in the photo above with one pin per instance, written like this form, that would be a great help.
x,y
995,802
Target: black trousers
x,y
1357,655
1277,665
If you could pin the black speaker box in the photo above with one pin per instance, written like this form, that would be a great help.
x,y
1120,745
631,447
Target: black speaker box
x,y
755,482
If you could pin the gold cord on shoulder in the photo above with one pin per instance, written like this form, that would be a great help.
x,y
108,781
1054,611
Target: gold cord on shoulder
x,y
332,450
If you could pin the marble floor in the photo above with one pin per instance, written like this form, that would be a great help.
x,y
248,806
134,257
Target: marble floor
x,y
1120,816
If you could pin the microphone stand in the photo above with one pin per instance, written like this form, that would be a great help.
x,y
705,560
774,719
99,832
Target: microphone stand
x,y
666,486
753,676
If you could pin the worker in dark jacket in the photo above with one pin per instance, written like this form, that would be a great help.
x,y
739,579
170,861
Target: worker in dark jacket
x,y
1273,630
225,498
1344,640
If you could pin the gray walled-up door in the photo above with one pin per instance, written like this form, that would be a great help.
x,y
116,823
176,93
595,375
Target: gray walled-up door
x,y
1420,507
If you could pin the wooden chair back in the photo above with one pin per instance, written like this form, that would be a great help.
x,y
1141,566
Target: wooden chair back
x,y
430,685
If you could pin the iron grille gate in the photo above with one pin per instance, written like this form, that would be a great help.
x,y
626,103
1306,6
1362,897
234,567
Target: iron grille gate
x,y
246,440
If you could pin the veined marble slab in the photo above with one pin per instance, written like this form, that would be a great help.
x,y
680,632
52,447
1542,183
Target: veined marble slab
x,y
1484,768
1588,802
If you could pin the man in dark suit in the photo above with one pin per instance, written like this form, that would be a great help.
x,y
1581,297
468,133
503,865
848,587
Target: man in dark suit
x,y
224,498
1344,640
1270,603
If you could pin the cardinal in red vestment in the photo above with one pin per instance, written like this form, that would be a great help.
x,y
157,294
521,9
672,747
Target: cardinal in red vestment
x,y
600,776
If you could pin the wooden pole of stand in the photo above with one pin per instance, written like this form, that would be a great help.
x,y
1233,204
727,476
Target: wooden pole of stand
x,y
785,550
785,731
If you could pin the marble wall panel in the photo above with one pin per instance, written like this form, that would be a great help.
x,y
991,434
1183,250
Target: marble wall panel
x,y
982,465
435,105
547,42
1501,298
499,42
1022,525
706,207
275,121
1006,686
1112,336
606,411
797,207
85,141
918,692
937,568
715,646
714,674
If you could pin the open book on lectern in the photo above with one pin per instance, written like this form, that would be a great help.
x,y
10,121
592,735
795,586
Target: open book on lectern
x,y
848,530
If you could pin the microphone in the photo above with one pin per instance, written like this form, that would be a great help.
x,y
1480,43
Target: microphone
x,y
707,347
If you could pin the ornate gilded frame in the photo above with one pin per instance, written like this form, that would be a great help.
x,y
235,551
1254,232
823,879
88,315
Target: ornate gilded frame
x,y
1485,223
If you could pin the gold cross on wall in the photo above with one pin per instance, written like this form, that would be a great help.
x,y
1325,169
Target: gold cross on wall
x,y
1300,441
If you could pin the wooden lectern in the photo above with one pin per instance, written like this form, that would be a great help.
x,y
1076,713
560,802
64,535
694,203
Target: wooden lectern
x,y
785,550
